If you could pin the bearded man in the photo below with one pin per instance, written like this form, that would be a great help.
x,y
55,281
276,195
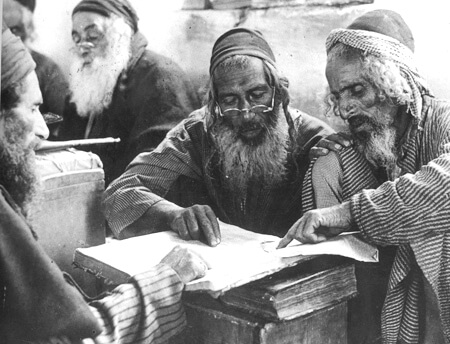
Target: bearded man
x,y
37,305
118,88
402,141
18,16
241,158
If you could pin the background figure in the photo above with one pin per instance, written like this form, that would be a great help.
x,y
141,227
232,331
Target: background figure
x,y
118,88
18,16
241,158
403,134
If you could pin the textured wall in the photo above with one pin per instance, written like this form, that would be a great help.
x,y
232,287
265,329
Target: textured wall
x,y
297,35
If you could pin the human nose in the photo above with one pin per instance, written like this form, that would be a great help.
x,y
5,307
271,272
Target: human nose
x,y
40,127
347,108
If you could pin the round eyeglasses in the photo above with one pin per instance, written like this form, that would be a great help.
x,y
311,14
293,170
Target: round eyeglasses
x,y
257,109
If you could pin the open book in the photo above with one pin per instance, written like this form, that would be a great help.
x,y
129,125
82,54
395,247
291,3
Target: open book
x,y
241,257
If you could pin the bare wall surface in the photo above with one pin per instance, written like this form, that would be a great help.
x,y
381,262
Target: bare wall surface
x,y
297,35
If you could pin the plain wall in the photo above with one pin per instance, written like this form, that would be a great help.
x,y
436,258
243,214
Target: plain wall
x,y
296,34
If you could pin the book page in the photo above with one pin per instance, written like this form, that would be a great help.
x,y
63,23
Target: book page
x,y
241,257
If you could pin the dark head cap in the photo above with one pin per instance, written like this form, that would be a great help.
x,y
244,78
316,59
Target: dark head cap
x,y
385,22
122,8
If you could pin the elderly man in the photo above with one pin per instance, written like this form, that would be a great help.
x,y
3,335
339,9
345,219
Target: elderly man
x,y
118,88
18,16
402,137
241,158
37,305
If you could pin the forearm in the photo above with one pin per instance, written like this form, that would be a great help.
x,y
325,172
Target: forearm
x,y
407,209
148,309
155,219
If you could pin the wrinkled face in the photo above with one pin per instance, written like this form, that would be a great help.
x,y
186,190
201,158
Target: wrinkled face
x,y
243,89
26,113
18,18
356,99
89,34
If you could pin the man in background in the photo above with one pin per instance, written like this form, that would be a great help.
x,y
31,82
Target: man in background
x,y
37,305
118,88
402,141
240,158
18,16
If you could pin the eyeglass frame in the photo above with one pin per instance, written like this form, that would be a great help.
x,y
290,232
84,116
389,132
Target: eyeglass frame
x,y
269,108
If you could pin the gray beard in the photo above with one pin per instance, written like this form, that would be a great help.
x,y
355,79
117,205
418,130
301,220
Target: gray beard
x,y
379,148
242,163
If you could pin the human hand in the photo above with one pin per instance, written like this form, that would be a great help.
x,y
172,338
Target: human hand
x,y
317,225
186,264
334,142
196,223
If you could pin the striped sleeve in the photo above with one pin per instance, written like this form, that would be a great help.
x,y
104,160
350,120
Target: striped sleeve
x,y
415,204
148,178
148,309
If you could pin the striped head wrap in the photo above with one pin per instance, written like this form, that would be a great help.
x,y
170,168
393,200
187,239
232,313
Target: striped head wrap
x,y
386,44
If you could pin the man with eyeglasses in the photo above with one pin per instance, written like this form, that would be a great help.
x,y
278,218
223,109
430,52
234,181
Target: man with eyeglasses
x,y
240,159
119,88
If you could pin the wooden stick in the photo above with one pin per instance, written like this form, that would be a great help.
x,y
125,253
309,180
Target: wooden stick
x,y
56,145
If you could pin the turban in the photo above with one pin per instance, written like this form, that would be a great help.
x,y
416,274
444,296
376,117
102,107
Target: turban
x,y
16,60
384,34
241,41
30,4
122,8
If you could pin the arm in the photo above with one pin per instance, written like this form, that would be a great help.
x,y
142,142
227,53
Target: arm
x,y
134,203
148,309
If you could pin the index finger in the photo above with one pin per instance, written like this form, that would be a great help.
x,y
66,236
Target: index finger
x,y
285,240
207,228
214,223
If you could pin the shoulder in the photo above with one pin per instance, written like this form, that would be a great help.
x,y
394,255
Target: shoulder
x,y
193,125
43,61
157,63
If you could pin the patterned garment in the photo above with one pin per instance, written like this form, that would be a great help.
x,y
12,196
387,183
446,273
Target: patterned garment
x,y
184,169
413,212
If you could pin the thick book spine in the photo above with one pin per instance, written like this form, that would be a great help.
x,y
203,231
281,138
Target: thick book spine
x,y
109,274
284,301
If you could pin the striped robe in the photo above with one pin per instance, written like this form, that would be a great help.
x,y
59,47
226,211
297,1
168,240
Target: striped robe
x,y
413,212
333,179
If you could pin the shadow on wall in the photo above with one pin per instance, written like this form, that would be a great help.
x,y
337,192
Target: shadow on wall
x,y
297,35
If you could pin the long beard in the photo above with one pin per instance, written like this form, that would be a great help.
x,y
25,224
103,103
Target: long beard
x,y
378,145
18,171
264,163
92,86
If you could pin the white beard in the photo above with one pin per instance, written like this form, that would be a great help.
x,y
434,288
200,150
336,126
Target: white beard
x,y
92,86
264,163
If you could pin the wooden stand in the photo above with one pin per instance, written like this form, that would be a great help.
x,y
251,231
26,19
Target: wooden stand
x,y
210,321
